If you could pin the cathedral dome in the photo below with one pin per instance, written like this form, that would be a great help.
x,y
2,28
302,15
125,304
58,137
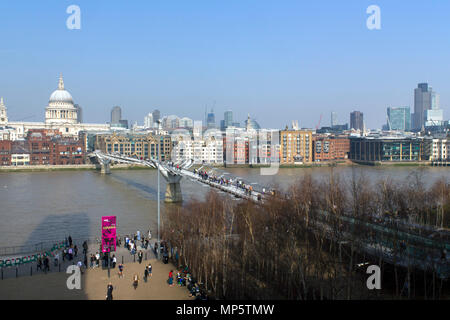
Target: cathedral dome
x,y
61,95
60,107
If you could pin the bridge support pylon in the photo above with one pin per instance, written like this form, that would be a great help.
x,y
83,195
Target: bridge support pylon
x,y
173,189
104,166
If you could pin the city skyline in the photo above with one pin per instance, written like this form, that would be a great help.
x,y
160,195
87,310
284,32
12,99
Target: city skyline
x,y
163,56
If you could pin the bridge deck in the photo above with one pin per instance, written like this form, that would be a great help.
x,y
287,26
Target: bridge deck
x,y
229,188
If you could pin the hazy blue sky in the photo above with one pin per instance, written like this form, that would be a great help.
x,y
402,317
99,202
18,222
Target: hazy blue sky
x,y
277,60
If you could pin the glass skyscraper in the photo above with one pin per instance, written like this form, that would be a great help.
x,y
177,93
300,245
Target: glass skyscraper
x,y
399,118
211,120
228,118
116,115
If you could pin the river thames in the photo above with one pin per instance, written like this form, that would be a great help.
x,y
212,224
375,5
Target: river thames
x,y
47,206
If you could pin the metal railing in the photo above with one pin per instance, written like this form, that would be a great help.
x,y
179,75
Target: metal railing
x,y
40,247
122,255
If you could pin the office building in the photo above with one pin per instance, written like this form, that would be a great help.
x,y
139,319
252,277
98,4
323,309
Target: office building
x,y
425,99
388,148
211,120
399,118
228,118
334,121
148,121
116,115
156,115
356,120
142,146
330,148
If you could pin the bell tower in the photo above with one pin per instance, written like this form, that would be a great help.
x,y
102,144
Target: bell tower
x,y
3,113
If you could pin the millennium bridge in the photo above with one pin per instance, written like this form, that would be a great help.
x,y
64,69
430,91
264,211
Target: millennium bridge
x,y
394,242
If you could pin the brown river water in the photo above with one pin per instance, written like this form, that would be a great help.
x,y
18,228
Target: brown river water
x,y
47,206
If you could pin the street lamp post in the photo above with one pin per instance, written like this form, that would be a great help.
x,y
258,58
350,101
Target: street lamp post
x,y
159,245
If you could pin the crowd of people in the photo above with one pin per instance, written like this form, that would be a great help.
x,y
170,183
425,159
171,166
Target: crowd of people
x,y
68,252
247,188
181,277
132,242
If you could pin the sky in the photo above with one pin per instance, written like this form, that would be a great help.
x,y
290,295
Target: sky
x,y
276,60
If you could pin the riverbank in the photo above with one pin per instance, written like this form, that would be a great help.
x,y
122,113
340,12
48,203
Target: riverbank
x,y
122,166
77,167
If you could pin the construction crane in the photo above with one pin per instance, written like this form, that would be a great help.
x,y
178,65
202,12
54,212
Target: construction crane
x,y
320,120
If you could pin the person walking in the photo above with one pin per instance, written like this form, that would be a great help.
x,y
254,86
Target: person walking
x,y
149,267
97,259
120,270
46,264
109,290
140,254
39,264
135,281
170,280
85,247
146,274
70,254
56,259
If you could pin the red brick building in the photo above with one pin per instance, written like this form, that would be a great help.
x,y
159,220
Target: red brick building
x,y
5,152
40,146
330,148
68,151
47,147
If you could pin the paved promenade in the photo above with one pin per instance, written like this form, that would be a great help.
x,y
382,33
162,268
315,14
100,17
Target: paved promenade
x,y
52,286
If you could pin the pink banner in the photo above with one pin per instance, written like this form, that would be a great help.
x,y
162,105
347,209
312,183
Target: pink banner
x,y
109,234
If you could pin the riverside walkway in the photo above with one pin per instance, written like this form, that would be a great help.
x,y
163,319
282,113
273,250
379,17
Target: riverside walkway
x,y
25,282
52,286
